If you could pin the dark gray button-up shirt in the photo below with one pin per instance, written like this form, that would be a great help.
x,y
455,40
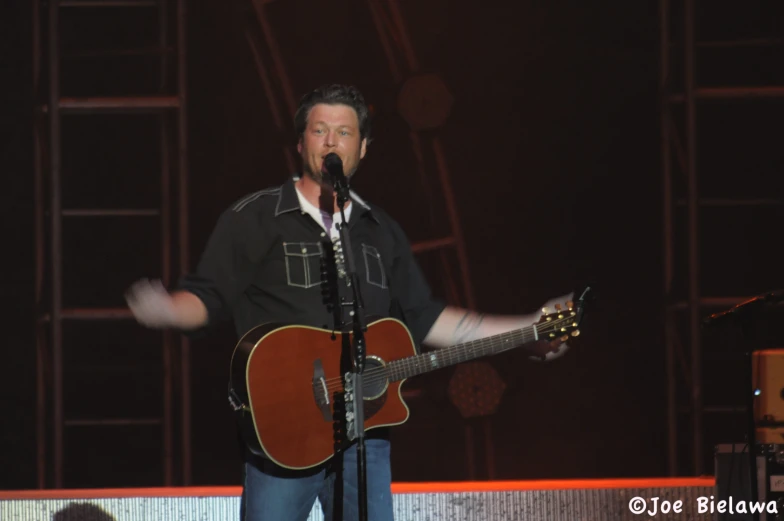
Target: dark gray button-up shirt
x,y
267,261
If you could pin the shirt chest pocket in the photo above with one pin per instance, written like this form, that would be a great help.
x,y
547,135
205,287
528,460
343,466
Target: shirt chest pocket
x,y
374,267
303,263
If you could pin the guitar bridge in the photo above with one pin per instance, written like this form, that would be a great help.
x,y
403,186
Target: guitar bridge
x,y
321,390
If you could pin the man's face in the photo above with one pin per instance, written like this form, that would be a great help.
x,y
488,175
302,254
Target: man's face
x,y
331,128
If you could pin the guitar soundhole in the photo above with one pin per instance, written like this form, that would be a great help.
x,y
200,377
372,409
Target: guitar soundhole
x,y
375,378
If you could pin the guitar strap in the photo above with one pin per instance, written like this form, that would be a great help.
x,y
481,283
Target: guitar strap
x,y
235,402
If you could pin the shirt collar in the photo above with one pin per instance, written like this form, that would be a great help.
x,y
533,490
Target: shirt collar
x,y
289,202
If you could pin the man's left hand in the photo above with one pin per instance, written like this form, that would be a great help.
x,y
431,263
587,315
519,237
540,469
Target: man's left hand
x,y
543,350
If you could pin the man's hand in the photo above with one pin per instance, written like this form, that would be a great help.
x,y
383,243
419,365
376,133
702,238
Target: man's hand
x,y
550,306
151,304
456,325
543,350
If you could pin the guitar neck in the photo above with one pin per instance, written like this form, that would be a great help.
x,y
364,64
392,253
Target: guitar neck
x,y
424,363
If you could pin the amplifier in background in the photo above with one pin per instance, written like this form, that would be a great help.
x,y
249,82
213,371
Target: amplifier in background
x,y
768,383
733,480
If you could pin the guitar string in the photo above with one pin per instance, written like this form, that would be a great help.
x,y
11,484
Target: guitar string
x,y
380,374
415,363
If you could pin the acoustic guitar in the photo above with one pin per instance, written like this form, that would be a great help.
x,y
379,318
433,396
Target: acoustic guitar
x,y
288,382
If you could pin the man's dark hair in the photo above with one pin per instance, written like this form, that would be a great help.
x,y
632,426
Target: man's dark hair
x,y
334,95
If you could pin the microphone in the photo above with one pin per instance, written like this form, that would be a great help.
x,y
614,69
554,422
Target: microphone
x,y
334,170
334,167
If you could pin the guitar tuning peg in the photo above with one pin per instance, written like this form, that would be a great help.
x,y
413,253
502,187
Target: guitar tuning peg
x,y
558,307
576,332
544,310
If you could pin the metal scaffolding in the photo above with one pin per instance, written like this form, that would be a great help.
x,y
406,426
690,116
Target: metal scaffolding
x,y
685,359
55,420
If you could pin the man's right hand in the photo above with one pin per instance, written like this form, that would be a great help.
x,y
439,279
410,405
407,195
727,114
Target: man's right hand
x,y
151,304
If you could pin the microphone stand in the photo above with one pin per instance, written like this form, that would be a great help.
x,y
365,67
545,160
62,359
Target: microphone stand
x,y
357,351
741,313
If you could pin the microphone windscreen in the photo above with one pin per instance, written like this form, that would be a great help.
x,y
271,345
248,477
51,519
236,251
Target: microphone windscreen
x,y
333,163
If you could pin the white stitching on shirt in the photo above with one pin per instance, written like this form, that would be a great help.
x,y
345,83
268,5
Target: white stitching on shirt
x,y
371,251
301,249
242,203
359,200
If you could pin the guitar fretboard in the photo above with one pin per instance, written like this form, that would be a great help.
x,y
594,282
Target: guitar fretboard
x,y
420,364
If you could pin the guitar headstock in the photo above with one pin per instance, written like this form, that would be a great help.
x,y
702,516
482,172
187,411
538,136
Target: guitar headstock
x,y
563,321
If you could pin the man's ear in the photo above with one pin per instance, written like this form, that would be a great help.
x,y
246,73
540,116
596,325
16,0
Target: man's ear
x,y
363,149
299,146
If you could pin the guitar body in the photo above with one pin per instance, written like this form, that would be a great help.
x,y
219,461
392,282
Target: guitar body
x,y
288,382
284,374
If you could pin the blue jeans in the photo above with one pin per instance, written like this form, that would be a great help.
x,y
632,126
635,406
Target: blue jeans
x,y
274,494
